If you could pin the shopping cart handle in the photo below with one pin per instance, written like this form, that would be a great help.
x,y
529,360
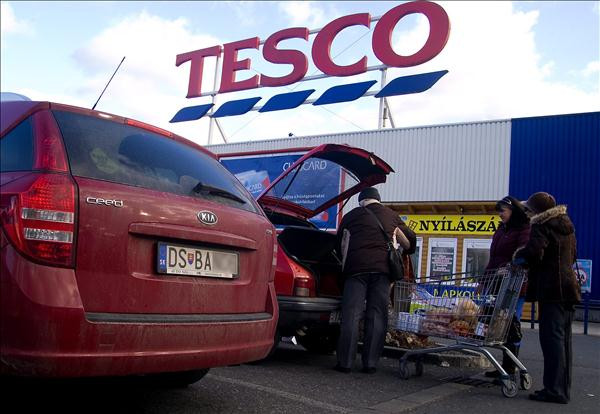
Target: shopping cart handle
x,y
519,261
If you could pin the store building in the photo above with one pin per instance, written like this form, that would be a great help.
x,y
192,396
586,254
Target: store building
x,y
449,177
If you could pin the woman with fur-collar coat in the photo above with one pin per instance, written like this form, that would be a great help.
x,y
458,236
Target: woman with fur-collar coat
x,y
550,255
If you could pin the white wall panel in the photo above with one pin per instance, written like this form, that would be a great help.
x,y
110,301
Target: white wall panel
x,y
455,162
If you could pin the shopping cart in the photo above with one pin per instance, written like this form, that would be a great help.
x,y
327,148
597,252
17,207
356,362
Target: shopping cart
x,y
475,310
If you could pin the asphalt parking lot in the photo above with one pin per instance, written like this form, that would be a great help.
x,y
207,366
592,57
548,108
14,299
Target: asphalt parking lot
x,y
294,381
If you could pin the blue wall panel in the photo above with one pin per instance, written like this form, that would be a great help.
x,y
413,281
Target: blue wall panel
x,y
561,155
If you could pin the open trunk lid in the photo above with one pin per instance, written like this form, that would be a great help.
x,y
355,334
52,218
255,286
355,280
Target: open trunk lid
x,y
321,178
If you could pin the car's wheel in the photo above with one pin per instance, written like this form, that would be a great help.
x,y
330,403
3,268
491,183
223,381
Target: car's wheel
x,y
177,379
320,342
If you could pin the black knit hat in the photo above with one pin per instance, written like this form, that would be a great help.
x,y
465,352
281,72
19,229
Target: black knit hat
x,y
370,192
540,202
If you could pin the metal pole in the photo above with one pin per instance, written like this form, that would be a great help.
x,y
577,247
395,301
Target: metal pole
x,y
389,112
381,123
213,100
586,313
221,131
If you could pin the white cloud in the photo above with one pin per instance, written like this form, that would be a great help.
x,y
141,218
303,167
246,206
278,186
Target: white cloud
x,y
304,13
494,68
244,12
9,23
591,68
148,86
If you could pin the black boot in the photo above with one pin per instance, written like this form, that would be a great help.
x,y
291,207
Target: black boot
x,y
507,363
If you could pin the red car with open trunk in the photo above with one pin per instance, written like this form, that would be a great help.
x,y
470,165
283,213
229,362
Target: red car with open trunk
x,y
308,280
125,250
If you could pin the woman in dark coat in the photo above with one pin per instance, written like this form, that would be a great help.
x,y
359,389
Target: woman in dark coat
x,y
550,254
512,234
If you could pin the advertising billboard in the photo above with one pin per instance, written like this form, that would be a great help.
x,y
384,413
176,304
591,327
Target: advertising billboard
x,y
310,189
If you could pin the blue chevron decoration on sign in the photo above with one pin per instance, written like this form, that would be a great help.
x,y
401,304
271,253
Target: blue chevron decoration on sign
x,y
410,84
289,100
238,107
191,113
344,93
402,85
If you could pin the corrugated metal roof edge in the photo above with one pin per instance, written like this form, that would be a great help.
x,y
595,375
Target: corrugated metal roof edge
x,y
390,130
386,130
553,116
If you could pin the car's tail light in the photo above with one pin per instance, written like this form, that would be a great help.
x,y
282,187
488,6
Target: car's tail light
x,y
304,281
49,152
39,218
40,221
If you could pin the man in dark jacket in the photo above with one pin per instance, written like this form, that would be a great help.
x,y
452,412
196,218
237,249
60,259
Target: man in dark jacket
x,y
365,267
550,254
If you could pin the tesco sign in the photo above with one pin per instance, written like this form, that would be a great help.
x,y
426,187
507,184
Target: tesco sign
x,y
439,30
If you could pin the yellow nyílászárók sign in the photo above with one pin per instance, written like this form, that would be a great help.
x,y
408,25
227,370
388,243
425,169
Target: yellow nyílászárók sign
x,y
452,224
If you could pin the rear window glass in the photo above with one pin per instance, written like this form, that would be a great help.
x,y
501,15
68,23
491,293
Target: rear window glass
x,y
16,148
125,154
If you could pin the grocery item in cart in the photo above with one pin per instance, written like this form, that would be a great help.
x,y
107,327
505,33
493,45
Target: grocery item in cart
x,y
408,322
458,316
436,322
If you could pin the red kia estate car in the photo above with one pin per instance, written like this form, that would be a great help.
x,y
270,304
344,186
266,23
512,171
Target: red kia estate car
x,y
308,280
125,250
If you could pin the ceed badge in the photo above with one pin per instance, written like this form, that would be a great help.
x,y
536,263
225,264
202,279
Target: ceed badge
x,y
207,217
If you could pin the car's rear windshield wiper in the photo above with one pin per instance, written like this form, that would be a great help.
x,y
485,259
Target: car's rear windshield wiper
x,y
200,188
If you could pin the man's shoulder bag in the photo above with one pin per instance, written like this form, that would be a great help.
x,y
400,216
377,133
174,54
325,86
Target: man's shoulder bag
x,y
394,256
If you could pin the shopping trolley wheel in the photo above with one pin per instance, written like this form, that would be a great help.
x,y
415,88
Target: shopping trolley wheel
x,y
419,367
509,388
526,381
404,374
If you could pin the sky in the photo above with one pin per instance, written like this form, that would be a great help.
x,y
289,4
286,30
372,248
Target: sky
x,y
504,60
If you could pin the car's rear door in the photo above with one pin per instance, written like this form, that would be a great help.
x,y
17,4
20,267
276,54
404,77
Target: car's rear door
x,y
152,211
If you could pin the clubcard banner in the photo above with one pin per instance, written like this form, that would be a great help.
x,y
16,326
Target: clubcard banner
x,y
318,182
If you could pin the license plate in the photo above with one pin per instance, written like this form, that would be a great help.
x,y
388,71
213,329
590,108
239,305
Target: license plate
x,y
334,317
176,259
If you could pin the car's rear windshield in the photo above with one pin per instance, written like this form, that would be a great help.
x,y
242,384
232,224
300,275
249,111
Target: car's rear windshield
x,y
111,151
16,148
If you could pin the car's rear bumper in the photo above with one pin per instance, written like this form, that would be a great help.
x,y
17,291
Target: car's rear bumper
x,y
306,304
298,312
44,331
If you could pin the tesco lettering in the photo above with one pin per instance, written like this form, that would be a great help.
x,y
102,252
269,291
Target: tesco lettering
x,y
439,30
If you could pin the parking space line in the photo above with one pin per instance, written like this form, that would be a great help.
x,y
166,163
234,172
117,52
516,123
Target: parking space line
x,y
284,394
414,400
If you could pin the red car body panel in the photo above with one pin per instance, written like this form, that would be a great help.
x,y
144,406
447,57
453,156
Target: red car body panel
x,y
111,313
